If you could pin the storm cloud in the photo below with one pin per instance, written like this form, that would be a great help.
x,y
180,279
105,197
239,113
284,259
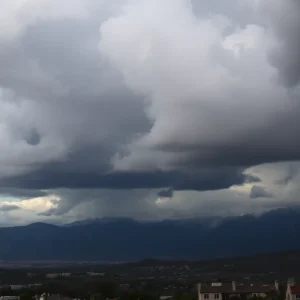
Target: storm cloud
x,y
166,193
285,57
259,192
224,112
200,180
167,96
8,207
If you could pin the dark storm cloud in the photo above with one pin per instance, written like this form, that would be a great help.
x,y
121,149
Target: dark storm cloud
x,y
259,192
76,107
21,193
285,18
8,207
97,203
86,185
51,212
200,180
216,120
166,193
146,103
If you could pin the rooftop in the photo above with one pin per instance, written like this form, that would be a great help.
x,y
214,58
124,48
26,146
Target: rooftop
x,y
295,289
240,288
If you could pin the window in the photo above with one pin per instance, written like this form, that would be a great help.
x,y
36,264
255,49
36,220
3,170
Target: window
x,y
206,296
217,296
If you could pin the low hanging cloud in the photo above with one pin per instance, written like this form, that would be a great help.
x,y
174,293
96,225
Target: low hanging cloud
x,y
8,207
22,193
259,192
67,205
292,172
166,193
200,180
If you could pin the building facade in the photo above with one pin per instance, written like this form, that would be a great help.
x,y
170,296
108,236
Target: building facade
x,y
292,290
9,298
225,291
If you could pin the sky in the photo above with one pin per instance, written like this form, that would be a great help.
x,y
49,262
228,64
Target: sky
x,y
148,109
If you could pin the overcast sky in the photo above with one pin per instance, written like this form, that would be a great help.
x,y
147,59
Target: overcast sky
x,y
150,109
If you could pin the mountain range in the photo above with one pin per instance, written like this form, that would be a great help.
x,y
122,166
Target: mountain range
x,y
129,240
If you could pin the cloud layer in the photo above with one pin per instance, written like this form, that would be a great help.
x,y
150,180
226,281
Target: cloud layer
x,y
162,96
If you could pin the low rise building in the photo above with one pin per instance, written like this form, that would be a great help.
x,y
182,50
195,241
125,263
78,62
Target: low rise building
x,y
9,298
95,274
292,290
65,274
53,297
225,291
52,276
16,287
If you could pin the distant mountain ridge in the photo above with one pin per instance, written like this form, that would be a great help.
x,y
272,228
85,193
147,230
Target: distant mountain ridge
x,y
128,240
210,221
95,221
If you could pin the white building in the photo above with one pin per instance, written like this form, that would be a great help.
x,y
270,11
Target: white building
x,y
292,290
224,291
9,298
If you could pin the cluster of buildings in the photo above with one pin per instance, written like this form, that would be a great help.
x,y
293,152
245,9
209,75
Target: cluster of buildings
x,y
93,274
217,291
293,290
53,297
9,298
18,287
56,275
225,291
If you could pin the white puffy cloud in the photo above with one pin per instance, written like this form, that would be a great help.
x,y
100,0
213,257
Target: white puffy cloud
x,y
16,15
209,91
18,153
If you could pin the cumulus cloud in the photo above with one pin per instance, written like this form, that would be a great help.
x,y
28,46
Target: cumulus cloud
x,y
192,71
56,96
145,94
74,101
285,21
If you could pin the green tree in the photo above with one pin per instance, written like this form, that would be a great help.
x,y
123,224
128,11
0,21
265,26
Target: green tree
x,y
137,295
104,289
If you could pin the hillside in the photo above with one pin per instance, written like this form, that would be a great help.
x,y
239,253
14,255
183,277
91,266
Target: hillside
x,y
129,240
